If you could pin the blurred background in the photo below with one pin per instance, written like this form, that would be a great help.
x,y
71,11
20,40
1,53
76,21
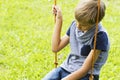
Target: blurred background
x,y
26,28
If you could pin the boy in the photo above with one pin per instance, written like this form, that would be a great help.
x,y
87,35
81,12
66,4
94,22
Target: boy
x,y
80,35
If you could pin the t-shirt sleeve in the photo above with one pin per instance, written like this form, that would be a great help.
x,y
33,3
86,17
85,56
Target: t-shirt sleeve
x,y
68,31
102,41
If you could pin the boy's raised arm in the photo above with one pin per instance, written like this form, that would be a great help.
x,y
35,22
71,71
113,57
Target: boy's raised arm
x,y
57,42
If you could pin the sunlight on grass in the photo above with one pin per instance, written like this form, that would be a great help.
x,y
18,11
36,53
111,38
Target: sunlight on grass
x,y
25,38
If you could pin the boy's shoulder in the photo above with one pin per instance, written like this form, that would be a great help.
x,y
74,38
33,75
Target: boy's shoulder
x,y
73,24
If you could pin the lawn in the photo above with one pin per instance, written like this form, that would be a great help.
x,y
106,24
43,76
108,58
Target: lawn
x,y
26,28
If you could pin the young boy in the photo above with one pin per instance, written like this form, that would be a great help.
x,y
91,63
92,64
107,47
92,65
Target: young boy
x,y
80,35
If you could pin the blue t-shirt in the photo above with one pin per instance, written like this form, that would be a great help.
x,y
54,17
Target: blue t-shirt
x,y
81,45
101,42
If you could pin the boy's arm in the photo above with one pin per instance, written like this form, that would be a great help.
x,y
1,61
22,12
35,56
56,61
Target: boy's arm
x,y
57,42
85,67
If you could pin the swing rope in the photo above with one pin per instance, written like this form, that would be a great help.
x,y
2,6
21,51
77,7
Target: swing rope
x,y
55,61
95,39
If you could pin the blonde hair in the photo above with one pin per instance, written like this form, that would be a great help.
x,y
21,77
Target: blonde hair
x,y
86,11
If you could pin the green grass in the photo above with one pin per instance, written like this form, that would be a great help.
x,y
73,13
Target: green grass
x,y
25,38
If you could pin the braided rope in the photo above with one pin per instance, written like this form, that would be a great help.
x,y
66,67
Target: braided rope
x,y
55,61
95,39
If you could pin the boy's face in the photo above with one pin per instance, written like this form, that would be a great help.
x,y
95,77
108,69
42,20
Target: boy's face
x,y
83,27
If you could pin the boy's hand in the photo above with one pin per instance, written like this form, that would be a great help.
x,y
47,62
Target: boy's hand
x,y
56,11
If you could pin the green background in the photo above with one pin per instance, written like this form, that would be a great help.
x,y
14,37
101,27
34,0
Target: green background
x,y
26,28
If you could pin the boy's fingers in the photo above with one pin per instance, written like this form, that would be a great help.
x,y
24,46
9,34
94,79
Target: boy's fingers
x,y
53,9
56,10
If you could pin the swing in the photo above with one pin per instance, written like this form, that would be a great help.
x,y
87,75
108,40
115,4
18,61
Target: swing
x,y
55,61
95,39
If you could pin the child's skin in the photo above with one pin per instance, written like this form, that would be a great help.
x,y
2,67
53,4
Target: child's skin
x,y
59,43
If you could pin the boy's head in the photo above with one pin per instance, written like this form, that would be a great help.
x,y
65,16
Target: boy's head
x,y
86,12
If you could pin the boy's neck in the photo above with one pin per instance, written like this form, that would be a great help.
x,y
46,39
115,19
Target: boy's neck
x,y
84,31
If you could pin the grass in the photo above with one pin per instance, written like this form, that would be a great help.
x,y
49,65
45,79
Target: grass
x,y
25,38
